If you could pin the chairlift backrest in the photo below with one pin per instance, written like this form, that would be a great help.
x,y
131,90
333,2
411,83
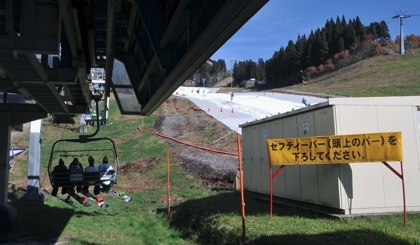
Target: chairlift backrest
x,y
75,169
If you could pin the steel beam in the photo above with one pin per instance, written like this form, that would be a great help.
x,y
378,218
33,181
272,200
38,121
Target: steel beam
x,y
58,98
64,7
110,45
231,15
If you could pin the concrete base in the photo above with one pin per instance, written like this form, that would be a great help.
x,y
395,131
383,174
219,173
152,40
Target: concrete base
x,y
8,217
33,195
357,216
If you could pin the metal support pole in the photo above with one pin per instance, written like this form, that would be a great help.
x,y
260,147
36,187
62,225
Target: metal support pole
x,y
7,212
402,50
34,163
4,157
401,17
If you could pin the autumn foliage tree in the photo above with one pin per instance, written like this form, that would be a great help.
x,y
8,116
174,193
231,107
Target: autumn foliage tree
x,y
338,44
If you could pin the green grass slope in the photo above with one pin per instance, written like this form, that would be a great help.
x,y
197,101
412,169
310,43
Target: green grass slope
x,y
387,75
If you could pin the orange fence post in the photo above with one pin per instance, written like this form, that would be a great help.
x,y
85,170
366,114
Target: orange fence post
x,y
271,192
241,181
272,176
403,189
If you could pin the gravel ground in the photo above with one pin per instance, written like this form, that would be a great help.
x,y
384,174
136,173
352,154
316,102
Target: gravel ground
x,y
196,127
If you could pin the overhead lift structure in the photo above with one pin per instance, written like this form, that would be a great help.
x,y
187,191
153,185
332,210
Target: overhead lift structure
x,y
47,49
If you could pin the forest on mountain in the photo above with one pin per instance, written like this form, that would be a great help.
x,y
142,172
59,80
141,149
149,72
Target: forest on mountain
x,y
337,44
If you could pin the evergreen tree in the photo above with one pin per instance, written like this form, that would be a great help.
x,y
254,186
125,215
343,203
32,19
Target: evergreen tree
x,y
260,74
321,44
338,24
349,36
360,30
269,72
337,42
323,48
244,70
309,55
309,43
235,71
329,26
291,58
250,69
315,48
300,52
205,72
343,21
281,71
319,48
372,30
383,31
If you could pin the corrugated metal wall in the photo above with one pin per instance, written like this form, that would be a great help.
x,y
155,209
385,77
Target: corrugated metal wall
x,y
354,188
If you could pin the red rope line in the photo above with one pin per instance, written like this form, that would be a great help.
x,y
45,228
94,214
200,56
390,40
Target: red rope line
x,y
186,143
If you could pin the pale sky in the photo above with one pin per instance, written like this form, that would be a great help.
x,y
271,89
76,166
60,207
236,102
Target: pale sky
x,y
282,20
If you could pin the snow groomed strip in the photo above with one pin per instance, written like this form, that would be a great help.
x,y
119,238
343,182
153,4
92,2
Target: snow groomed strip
x,y
186,143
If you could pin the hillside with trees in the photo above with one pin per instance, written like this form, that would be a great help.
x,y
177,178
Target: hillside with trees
x,y
209,73
338,44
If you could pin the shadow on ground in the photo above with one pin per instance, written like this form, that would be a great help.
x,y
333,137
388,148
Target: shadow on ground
x,y
196,219
340,237
36,222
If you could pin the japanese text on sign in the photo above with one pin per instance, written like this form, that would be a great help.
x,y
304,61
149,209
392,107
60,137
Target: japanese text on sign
x,y
376,147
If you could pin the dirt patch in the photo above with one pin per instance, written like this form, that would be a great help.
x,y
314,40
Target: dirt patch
x,y
137,183
163,199
139,166
134,180
182,122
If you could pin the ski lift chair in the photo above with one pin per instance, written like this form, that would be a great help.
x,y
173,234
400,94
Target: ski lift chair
x,y
82,148
68,149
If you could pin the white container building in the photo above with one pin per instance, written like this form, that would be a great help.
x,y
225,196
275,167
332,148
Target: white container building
x,y
355,188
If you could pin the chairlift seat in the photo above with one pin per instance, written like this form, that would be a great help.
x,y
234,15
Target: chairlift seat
x,y
76,177
79,179
60,179
92,178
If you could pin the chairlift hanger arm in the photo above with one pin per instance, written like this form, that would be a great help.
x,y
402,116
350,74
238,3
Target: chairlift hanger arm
x,y
84,138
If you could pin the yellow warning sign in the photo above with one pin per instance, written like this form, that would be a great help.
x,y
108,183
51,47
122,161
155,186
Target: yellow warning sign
x,y
376,147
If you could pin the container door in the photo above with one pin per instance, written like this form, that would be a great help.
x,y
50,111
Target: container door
x,y
265,168
328,175
279,183
255,159
308,173
292,173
